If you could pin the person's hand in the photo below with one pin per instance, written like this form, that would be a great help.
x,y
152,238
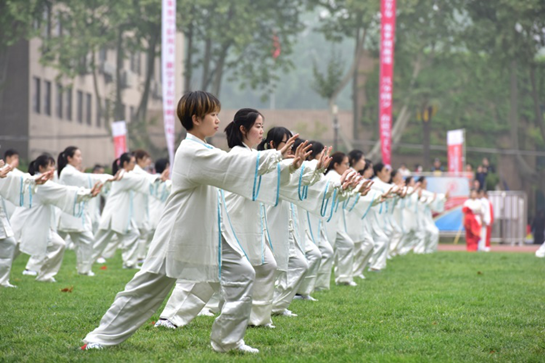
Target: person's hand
x,y
165,175
118,176
387,194
43,178
324,159
287,148
356,181
301,154
347,178
365,187
96,189
5,170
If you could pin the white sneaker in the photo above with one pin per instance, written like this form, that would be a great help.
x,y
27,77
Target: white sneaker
x,y
205,312
165,324
7,284
101,260
288,313
241,348
360,276
51,279
89,346
347,283
90,274
269,326
30,273
304,297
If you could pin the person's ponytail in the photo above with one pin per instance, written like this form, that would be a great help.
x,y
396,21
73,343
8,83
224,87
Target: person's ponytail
x,y
245,117
43,161
119,163
62,159
115,166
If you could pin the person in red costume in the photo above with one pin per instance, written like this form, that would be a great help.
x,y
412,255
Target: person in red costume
x,y
471,210
489,227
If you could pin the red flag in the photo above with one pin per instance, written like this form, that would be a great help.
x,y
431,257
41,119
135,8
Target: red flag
x,y
276,47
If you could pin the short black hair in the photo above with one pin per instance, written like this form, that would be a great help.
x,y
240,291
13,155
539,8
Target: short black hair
x,y
196,103
9,153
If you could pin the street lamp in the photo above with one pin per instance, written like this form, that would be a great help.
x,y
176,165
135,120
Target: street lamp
x,y
335,111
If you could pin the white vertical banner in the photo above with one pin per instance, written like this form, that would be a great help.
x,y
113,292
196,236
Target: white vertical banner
x,y
456,150
119,132
168,71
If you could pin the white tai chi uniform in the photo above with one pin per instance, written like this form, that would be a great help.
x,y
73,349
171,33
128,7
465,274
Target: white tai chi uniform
x,y
80,229
380,227
541,251
246,227
409,215
41,241
141,214
117,217
188,246
428,235
486,219
12,189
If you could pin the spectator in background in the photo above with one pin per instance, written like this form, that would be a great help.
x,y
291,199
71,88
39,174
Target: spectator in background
x,y
469,168
437,168
403,171
487,167
481,176
538,227
98,169
418,168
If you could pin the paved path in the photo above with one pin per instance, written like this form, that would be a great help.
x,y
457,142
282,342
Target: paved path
x,y
494,248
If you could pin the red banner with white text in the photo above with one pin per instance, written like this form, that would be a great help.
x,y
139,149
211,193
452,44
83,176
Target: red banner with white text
x,y
456,157
168,62
386,81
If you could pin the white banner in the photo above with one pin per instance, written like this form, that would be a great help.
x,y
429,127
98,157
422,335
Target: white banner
x,y
456,154
168,72
119,132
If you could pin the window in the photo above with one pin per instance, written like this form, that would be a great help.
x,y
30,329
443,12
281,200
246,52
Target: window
x,y
47,98
99,112
58,104
80,107
37,95
69,104
89,109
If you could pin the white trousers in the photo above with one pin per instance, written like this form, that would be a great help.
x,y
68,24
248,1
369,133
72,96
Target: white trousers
x,y
407,242
128,241
314,257
48,265
482,241
83,242
145,293
363,252
146,235
8,248
395,242
288,282
380,250
262,297
344,258
323,279
541,251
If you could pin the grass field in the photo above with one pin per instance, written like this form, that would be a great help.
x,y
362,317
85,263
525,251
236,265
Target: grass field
x,y
450,306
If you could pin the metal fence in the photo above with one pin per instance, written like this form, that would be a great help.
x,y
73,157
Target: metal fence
x,y
509,216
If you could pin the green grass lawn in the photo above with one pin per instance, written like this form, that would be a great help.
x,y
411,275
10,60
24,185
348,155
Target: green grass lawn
x,y
449,306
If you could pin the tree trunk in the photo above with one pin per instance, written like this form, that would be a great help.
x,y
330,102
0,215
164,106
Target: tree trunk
x,y
216,86
537,108
188,60
97,91
4,60
151,53
206,64
119,112
355,99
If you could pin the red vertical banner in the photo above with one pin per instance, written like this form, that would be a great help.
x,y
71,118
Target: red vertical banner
x,y
168,68
386,81
119,132
455,143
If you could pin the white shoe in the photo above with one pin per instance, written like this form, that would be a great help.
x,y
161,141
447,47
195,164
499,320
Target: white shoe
x,y
101,260
90,274
89,346
241,348
133,267
51,279
269,326
30,273
360,276
205,312
287,313
347,283
304,297
165,324
7,284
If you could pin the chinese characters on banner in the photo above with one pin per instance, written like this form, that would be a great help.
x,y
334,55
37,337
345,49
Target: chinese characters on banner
x,y
168,71
455,143
387,33
119,132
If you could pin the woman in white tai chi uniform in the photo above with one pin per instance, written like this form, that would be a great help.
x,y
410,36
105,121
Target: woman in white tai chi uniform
x,y
189,242
118,215
78,228
41,240
13,187
245,227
